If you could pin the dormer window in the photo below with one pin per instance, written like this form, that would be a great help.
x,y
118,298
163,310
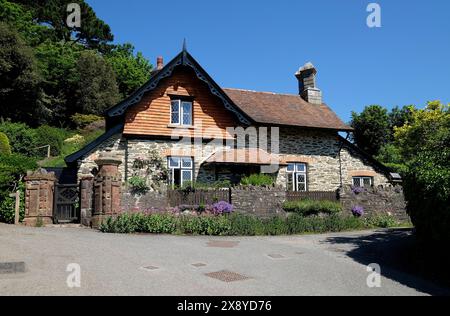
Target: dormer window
x,y
181,113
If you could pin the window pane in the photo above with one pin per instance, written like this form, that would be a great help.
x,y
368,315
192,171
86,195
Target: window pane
x,y
290,182
176,177
174,162
367,182
291,167
301,167
187,176
186,163
175,112
301,187
357,182
187,113
301,178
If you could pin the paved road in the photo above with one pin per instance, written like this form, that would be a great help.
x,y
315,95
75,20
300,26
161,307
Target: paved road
x,y
333,264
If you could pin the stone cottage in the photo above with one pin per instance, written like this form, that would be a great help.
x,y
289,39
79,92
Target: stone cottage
x,y
182,127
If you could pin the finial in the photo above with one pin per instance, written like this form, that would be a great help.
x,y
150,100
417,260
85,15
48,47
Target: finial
x,y
184,45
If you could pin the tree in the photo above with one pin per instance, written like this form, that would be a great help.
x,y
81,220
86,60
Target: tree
x,y
93,32
57,62
425,146
19,81
5,147
398,117
131,71
97,86
371,129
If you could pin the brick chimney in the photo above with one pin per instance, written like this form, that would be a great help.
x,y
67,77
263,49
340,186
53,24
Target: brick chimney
x,y
159,63
306,76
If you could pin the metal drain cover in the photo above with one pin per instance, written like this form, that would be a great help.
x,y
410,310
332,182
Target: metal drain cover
x,y
227,276
12,267
222,244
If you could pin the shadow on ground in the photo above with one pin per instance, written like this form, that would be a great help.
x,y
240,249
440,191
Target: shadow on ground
x,y
396,252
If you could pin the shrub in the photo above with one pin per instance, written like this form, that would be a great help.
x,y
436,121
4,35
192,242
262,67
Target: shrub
x,y
47,135
357,211
245,225
310,207
12,169
8,208
21,137
259,179
159,224
5,147
83,120
221,208
380,221
138,185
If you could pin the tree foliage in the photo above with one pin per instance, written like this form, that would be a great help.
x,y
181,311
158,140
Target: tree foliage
x,y
424,144
132,70
371,128
97,87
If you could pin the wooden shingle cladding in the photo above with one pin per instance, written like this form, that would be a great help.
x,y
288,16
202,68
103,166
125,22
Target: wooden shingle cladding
x,y
151,116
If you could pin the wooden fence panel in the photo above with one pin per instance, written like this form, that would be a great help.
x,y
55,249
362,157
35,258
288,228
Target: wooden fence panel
x,y
198,197
313,195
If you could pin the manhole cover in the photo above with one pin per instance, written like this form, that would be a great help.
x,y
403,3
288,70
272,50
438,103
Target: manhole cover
x,y
150,268
227,276
276,256
12,267
222,244
199,265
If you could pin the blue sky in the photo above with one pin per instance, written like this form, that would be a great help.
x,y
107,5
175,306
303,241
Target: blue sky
x,y
259,44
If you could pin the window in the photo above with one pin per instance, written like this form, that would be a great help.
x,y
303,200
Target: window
x,y
362,182
180,170
296,177
181,113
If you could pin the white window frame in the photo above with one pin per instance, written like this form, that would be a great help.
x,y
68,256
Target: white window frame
x,y
179,104
299,169
179,166
361,181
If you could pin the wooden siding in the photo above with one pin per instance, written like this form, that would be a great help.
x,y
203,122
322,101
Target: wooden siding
x,y
151,117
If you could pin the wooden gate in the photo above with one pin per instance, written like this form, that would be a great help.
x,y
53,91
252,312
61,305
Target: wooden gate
x,y
66,208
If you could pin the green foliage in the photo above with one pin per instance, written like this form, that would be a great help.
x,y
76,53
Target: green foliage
x,y
310,207
371,128
18,77
8,207
425,147
132,70
138,185
390,156
97,87
46,135
83,120
237,224
381,220
5,148
21,137
259,179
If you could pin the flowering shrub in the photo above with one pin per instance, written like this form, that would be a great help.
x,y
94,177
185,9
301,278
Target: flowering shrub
x,y
221,208
357,211
358,190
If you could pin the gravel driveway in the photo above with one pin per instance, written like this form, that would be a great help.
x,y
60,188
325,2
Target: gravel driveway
x,y
332,264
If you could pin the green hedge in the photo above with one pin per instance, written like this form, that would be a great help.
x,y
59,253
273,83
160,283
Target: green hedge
x,y
259,179
237,224
310,207
5,148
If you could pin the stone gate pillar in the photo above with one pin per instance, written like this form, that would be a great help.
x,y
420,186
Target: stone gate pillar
x,y
86,198
107,189
39,196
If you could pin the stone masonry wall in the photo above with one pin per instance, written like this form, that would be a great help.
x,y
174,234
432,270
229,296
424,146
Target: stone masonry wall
x,y
261,202
388,200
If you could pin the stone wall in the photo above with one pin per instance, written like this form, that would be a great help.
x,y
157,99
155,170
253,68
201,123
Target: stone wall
x,y
146,202
388,200
262,202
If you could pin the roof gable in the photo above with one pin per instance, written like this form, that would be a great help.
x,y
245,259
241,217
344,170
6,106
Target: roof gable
x,y
182,59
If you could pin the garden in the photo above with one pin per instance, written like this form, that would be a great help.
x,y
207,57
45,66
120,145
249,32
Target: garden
x,y
219,219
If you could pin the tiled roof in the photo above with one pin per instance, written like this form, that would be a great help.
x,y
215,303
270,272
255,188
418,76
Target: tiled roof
x,y
285,109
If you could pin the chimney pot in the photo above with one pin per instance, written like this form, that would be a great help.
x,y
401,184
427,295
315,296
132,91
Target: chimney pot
x,y
306,76
159,63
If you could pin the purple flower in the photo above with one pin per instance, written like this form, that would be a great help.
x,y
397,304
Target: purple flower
x,y
357,211
358,190
222,207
